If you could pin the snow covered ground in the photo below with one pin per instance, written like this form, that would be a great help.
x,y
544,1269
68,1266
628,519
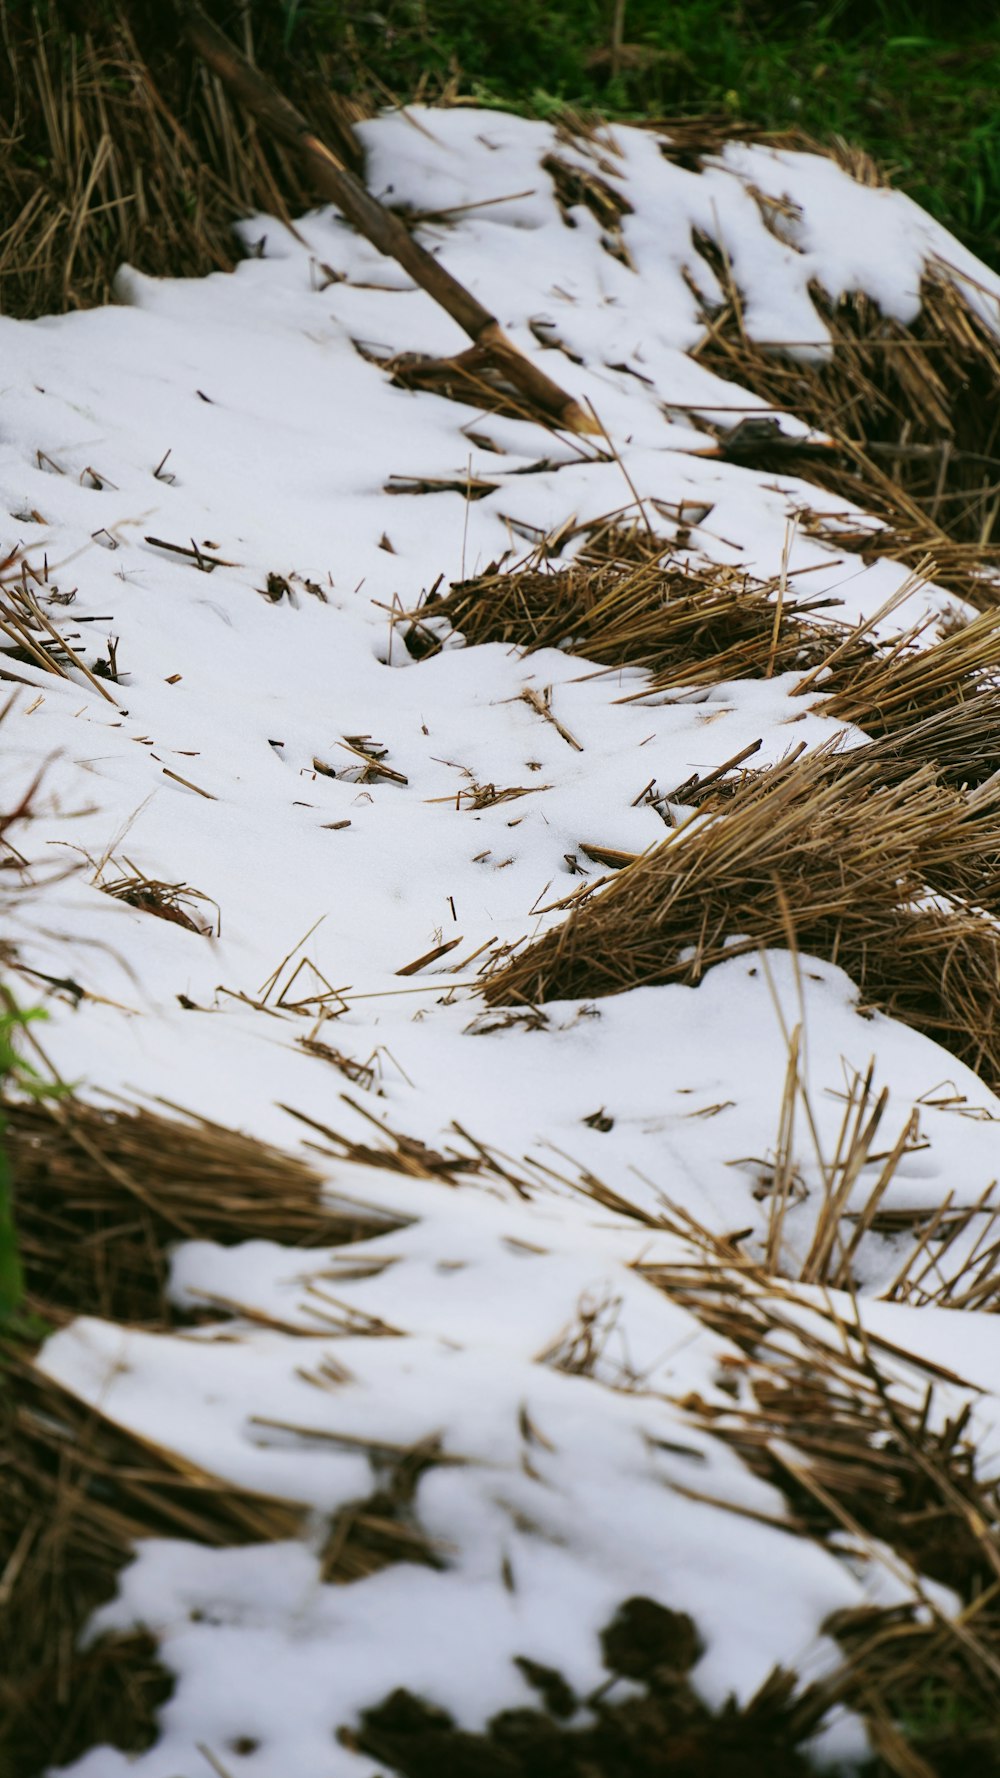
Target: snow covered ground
x,y
235,417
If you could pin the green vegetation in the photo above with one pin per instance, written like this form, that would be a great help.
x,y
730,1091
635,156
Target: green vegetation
x,y
914,83
17,1073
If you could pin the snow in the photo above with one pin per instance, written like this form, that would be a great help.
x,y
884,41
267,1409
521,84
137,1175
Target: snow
x,y
282,441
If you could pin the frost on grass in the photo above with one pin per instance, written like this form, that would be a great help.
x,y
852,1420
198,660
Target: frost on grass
x,y
522,1282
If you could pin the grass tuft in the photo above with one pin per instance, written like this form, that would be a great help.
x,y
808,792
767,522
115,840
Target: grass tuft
x,y
911,412
813,852
103,1195
118,148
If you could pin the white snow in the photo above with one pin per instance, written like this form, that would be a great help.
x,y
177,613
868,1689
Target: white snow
x,y
282,441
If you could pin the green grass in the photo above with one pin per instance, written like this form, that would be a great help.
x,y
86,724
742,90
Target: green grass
x,y
913,83
17,1073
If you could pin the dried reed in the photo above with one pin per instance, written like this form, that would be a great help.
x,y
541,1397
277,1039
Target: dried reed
x,y
954,683
856,1459
860,1459
412,1158
101,1197
31,636
585,187
177,903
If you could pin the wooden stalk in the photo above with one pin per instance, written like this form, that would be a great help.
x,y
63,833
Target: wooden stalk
x,y
335,182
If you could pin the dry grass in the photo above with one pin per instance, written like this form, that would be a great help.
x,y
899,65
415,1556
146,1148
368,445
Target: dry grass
x,y
470,377
30,634
624,601
815,1415
76,1494
951,1262
960,745
586,187
865,1460
114,149
690,141
952,683
177,903
912,412
967,1278
811,1412
103,1195
407,1155
861,1461
813,852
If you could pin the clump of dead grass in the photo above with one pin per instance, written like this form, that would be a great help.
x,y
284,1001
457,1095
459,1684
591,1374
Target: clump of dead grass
x,y
625,601
811,852
911,411
102,1196
860,1462
952,683
959,744
407,1155
691,141
176,903
31,636
115,146
77,1494
869,1463
951,1260
587,187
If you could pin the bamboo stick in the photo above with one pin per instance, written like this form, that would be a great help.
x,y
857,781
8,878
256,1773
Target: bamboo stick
x,y
334,181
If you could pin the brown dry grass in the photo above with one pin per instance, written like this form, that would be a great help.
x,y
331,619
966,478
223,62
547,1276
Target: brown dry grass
x,y
177,903
860,1457
30,633
114,150
853,1455
76,1493
815,1414
102,1196
953,682
863,1454
624,601
814,851
586,187
912,412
